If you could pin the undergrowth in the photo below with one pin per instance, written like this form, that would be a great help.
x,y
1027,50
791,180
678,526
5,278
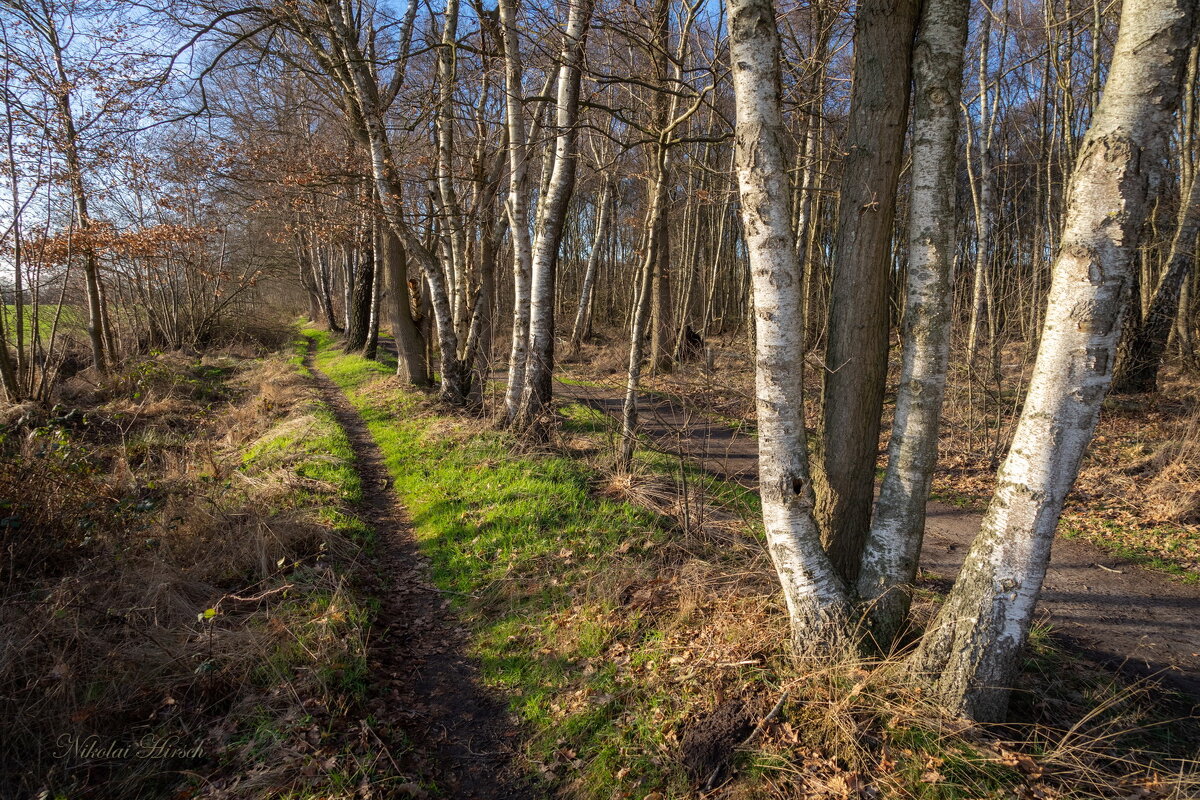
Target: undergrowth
x,y
634,624
175,611
1138,492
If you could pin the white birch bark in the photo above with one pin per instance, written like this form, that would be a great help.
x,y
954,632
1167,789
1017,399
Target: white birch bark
x,y
517,205
589,274
817,601
536,392
456,242
970,653
893,546
351,70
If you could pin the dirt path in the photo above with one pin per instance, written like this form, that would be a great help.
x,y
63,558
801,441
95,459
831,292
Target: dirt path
x,y
435,719
1109,609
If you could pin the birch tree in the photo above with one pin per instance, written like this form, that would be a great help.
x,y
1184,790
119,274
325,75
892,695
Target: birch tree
x,y
817,601
970,653
537,389
335,41
517,205
894,543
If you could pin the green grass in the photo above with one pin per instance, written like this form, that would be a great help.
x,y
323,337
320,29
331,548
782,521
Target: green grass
x,y
514,538
1149,556
533,559
72,321
586,420
519,540
326,624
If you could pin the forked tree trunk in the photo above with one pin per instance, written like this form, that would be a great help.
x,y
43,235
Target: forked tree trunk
x,y
818,606
856,358
352,70
894,544
970,653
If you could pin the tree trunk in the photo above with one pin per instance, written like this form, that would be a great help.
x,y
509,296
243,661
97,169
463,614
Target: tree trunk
x,y
362,281
589,275
893,546
518,207
324,283
370,349
662,351
661,327
79,196
363,93
410,344
452,218
970,653
1142,353
816,598
981,197
539,369
856,357
641,314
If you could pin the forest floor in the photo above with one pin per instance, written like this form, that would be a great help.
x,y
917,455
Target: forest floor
x,y
330,586
1138,491
458,736
1102,605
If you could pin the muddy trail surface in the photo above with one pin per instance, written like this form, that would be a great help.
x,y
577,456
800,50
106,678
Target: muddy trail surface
x,y
1106,608
435,719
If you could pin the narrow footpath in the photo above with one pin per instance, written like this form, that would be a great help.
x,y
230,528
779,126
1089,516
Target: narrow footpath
x,y
433,716
1110,610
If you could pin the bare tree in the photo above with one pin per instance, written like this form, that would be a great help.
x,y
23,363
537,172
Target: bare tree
x,y
552,210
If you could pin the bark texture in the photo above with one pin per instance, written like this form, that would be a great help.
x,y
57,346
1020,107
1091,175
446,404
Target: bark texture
x,y
552,211
517,206
969,655
856,358
817,601
894,544
410,344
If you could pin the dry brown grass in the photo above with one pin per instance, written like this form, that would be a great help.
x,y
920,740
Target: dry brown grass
x,y
130,519
850,727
